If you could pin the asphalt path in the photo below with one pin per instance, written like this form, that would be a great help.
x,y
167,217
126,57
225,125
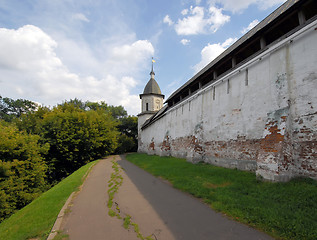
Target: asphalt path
x,y
160,211
185,216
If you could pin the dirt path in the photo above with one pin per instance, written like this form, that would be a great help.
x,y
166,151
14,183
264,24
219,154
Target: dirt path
x,y
143,207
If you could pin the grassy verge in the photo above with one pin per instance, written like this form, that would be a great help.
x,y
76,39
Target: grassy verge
x,y
283,210
36,219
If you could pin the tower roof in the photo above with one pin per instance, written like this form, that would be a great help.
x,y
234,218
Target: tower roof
x,y
152,87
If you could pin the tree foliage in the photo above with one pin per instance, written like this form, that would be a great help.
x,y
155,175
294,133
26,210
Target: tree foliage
x,y
22,168
117,112
126,125
128,139
39,146
10,109
77,137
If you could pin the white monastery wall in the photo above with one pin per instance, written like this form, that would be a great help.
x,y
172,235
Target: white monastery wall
x,y
261,116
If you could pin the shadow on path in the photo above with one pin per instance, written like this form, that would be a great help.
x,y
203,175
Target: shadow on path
x,y
185,216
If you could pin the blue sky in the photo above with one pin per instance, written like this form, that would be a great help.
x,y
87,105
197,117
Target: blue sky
x,y
101,50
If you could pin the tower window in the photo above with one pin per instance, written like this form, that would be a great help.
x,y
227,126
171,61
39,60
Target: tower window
x,y
147,107
158,105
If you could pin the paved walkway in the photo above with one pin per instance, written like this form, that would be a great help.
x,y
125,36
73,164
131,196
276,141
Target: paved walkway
x,y
159,210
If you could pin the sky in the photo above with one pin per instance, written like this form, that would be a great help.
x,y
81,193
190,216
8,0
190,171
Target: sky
x,y
101,50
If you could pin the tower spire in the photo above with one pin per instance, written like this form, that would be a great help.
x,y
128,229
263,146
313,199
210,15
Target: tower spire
x,y
152,71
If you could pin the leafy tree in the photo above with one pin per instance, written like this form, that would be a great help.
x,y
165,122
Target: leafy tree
x,y
22,168
77,137
42,145
117,111
97,106
125,144
128,139
129,126
77,103
31,122
11,109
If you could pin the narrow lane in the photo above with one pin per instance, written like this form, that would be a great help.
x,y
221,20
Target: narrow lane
x,y
153,208
89,219
186,217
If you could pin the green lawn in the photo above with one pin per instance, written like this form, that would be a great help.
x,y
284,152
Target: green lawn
x,y
36,219
283,210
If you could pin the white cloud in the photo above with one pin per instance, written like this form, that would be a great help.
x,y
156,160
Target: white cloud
x,y
80,16
34,71
250,26
131,54
168,20
185,41
239,5
193,24
228,42
184,12
211,51
217,19
201,21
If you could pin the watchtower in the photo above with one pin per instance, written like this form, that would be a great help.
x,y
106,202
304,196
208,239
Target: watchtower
x,y
151,100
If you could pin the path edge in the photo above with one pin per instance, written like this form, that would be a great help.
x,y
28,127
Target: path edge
x,y
61,214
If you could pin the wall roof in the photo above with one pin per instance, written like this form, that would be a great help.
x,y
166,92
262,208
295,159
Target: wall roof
x,y
267,21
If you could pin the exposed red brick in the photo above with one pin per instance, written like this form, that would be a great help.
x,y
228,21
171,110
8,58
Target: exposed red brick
x,y
152,146
166,146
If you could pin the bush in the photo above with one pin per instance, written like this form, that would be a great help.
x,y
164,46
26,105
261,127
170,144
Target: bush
x,y
22,169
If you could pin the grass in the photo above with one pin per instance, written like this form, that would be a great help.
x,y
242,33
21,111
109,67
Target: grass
x,y
114,183
36,219
283,210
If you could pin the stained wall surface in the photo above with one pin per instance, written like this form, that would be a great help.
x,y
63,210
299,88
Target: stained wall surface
x,y
261,116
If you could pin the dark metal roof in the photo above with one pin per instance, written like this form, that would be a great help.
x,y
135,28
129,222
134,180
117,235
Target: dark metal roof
x,y
279,11
152,87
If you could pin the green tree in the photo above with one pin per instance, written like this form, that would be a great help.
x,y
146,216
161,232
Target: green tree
x,y
96,106
128,139
129,126
77,137
31,122
22,168
117,111
11,109
77,103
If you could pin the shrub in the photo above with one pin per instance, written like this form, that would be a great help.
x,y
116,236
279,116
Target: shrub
x,y
22,169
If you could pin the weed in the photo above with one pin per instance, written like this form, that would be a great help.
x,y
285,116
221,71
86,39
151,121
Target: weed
x,y
111,213
127,222
114,183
